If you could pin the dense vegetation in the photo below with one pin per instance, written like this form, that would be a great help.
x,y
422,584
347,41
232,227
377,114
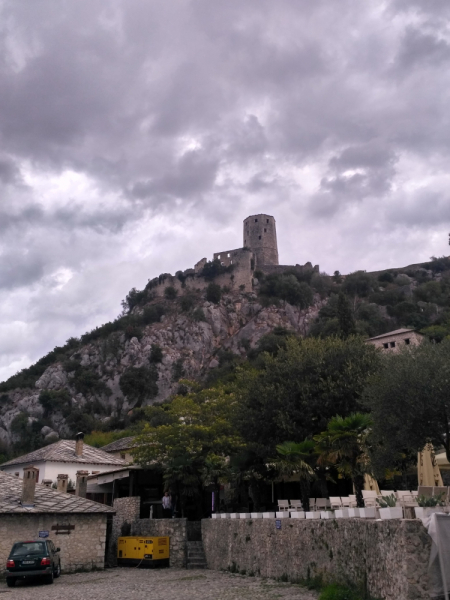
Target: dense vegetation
x,y
287,389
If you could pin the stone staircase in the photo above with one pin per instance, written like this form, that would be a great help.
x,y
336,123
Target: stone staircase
x,y
195,556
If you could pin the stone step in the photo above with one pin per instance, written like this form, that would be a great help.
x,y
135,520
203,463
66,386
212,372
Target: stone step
x,y
195,556
195,544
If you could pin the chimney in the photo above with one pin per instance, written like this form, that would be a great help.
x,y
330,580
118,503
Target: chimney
x,y
79,444
61,483
81,488
47,482
30,477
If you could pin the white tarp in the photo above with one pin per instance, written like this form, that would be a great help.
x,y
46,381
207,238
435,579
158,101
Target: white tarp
x,y
438,527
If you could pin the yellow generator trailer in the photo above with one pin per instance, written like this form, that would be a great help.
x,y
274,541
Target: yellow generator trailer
x,y
143,551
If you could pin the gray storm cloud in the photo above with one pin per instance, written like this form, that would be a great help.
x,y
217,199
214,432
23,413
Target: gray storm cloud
x,y
136,136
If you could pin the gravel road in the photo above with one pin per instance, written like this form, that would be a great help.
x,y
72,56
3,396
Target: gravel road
x,y
154,584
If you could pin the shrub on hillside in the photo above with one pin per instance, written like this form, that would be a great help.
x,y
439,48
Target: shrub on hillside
x,y
53,401
152,314
214,268
156,354
187,303
139,383
170,293
213,293
199,315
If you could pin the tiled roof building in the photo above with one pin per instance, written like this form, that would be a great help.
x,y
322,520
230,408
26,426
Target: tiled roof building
x,y
46,500
64,456
394,340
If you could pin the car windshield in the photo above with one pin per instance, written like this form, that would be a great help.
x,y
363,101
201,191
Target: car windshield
x,y
28,548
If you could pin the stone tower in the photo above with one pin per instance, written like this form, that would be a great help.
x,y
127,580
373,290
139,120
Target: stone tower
x,y
260,235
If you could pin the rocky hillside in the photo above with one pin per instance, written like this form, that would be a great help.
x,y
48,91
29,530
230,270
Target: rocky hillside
x,y
172,331
104,379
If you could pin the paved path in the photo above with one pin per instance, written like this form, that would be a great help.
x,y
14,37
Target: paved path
x,y
155,584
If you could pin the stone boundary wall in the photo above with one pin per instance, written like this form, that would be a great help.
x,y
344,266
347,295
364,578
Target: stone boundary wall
x,y
127,512
126,521
176,529
389,558
279,269
83,549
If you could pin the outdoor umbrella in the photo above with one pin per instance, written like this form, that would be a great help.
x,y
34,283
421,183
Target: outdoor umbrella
x,y
371,484
428,473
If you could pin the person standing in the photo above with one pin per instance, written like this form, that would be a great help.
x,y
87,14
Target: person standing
x,y
167,505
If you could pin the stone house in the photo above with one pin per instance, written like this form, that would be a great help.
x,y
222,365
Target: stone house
x,y
392,341
64,456
29,510
121,448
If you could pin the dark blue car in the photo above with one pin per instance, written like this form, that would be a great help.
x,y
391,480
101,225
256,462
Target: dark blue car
x,y
33,559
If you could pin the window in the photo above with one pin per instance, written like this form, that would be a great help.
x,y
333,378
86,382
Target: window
x,y
218,256
231,262
256,220
265,230
407,341
392,344
228,255
259,237
386,346
122,455
267,220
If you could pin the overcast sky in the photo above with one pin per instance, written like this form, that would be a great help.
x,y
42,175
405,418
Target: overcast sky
x,y
136,135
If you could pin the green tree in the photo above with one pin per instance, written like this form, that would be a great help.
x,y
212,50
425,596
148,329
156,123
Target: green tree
x,y
409,400
198,432
358,284
295,458
347,325
294,394
344,444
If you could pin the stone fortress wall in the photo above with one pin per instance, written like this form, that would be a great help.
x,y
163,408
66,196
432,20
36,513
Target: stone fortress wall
x,y
260,253
260,235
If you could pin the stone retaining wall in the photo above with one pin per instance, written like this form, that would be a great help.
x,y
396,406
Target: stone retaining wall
x,y
389,558
175,528
126,521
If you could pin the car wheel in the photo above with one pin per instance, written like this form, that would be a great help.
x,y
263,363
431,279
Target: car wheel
x,y
49,578
57,573
10,582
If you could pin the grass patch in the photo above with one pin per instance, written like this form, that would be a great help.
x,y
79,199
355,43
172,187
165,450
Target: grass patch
x,y
339,592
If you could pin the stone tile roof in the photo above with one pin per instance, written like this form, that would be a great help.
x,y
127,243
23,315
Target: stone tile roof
x,y
395,332
124,443
64,451
47,500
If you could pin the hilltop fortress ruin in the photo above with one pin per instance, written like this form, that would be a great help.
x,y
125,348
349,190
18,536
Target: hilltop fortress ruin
x,y
237,268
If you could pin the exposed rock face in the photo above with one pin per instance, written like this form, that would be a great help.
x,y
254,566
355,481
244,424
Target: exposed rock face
x,y
189,350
